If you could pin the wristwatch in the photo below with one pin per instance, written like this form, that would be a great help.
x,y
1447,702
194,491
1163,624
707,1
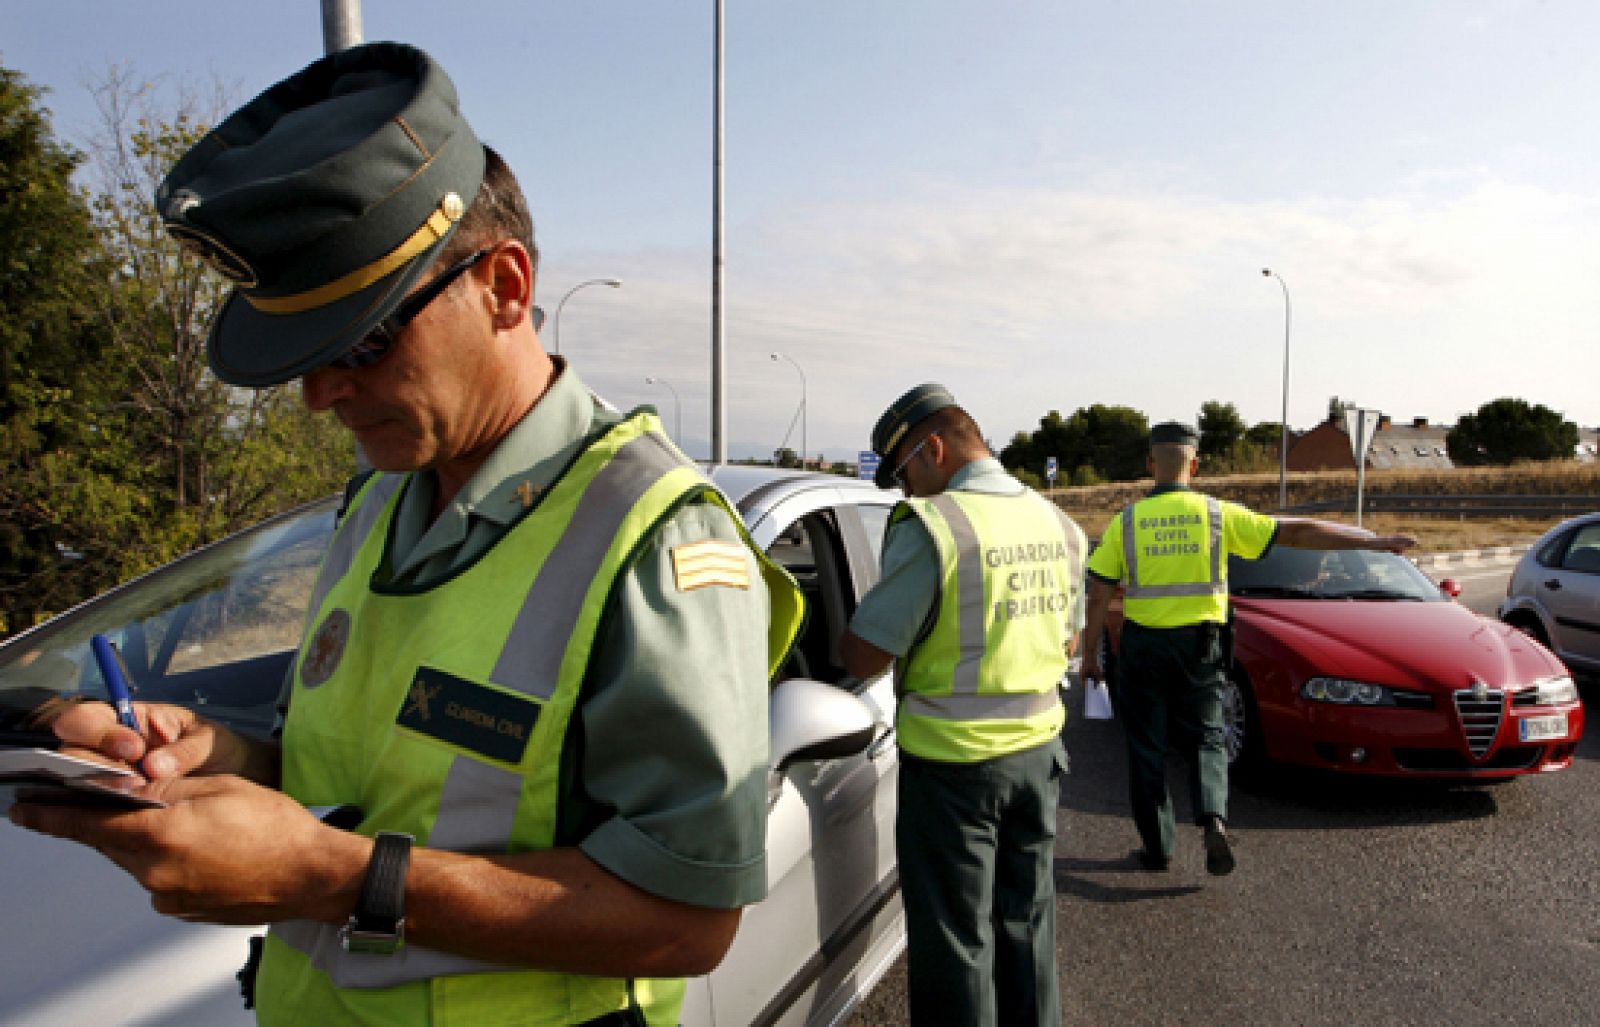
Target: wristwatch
x,y
378,925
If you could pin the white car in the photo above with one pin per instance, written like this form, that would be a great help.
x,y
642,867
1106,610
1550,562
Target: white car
x,y
1554,593
216,630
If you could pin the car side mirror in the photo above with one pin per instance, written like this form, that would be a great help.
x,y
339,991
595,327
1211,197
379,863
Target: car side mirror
x,y
1450,587
815,721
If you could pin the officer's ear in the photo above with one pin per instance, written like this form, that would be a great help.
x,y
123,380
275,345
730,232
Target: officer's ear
x,y
510,285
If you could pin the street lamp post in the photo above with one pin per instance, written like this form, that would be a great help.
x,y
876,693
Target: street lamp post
x,y
804,413
677,408
341,24
555,324
1283,423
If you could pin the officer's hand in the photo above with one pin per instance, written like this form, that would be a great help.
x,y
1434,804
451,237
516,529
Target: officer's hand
x,y
223,851
175,741
1089,667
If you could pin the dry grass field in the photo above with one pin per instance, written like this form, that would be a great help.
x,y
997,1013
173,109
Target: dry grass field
x,y
1091,506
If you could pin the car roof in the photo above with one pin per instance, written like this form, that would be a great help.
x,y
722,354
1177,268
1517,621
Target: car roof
x,y
752,488
1569,523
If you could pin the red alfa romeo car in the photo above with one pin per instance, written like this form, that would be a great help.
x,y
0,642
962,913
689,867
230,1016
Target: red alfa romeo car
x,y
1356,661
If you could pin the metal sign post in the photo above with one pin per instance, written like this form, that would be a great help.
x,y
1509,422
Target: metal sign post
x,y
1360,425
1050,470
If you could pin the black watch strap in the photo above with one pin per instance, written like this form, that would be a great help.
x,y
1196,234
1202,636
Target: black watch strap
x,y
377,927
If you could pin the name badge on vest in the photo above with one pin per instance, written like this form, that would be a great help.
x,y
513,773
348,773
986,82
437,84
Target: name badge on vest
x,y
468,715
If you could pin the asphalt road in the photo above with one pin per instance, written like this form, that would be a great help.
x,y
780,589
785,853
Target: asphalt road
x,y
1354,902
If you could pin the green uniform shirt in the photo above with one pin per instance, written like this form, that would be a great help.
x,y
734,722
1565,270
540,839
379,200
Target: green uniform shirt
x,y
678,808
1244,533
899,609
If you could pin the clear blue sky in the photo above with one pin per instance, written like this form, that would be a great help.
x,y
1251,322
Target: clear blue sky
x,y
1042,203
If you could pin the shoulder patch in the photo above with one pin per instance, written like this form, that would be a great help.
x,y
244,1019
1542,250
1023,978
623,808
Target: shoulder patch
x,y
712,562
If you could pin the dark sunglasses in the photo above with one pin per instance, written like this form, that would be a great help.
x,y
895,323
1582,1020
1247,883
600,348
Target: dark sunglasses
x,y
375,345
899,473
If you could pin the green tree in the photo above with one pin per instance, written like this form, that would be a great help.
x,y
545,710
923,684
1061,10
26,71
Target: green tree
x,y
1221,432
133,452
1113,440
1265,434
48,349
1506,430
1028,451
1104,442
215,458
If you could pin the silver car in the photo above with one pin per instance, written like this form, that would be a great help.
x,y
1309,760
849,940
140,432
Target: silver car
x,y
1554,593
216,630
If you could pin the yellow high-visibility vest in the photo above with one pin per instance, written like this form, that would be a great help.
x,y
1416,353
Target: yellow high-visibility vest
x,y
985,681
442,712
1170,551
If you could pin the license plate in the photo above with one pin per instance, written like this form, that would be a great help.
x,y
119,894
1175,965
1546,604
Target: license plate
x,y
1539,729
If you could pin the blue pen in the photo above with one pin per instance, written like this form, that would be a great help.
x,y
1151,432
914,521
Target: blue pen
x,y
110,661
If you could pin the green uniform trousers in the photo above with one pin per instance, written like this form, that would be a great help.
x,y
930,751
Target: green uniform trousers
x,y
1169,689
976,846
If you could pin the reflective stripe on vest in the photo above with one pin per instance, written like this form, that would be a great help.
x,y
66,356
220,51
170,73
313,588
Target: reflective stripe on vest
x,y
366,507
1133,589
574,544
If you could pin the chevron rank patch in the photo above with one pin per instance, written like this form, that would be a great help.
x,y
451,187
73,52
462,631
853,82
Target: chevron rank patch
x,y
712,562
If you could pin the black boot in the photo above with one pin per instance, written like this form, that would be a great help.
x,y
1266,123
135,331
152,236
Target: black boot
x,y
1219,854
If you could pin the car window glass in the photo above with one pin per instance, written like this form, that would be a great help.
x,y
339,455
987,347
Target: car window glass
x,y
875,518
215,630
1550,553
1330,574
810,549
1583,555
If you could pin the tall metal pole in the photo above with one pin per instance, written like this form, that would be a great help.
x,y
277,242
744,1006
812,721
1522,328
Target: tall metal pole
x,y
341,29
805,411
1283,423
719,413
341,24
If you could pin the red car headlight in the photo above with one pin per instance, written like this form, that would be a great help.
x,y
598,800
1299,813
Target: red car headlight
x,y
1553,691
1344,692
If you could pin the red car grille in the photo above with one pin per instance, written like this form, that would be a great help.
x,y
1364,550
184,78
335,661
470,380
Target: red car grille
x,y
1480,718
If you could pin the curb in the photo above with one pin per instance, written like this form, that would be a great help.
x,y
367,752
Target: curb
x,y
1472,557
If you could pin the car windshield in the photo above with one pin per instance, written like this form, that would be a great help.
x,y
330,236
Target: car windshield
x,y
215,629
1331,574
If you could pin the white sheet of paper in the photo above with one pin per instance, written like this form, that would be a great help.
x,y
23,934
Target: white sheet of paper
x,y
49,776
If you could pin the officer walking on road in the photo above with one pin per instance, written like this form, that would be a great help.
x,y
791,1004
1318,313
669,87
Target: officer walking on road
x,y
536,655
978,608
1169,552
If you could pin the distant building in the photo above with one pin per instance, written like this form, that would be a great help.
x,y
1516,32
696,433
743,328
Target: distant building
x,y
1418,446
1588,448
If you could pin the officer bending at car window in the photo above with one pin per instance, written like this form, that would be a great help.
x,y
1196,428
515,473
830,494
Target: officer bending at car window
x,y
1169,552
978,608
537,652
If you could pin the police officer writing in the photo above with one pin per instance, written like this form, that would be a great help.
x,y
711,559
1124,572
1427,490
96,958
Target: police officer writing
x,y
1169,552
978,609
537,651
